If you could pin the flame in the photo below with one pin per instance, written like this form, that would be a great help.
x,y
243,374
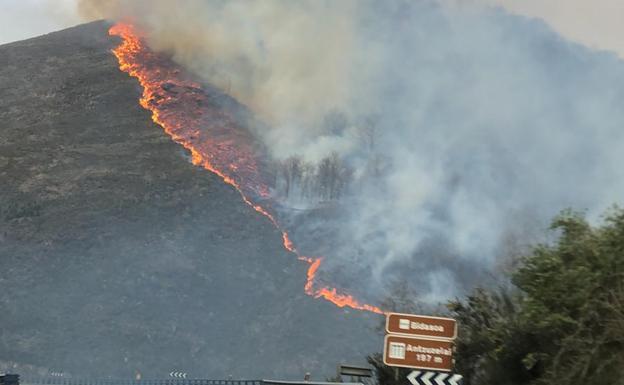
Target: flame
x,y
175,102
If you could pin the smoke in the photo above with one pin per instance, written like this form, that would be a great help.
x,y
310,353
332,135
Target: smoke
x,y
595,24
486,124
287,60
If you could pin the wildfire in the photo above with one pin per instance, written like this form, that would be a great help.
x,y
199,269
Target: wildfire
x,y
180,107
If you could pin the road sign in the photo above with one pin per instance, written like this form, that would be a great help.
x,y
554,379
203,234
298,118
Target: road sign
x,y
418,353
418,325
434,378
177,374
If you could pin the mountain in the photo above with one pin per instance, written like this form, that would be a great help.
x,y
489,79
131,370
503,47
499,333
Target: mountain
x,y
118,255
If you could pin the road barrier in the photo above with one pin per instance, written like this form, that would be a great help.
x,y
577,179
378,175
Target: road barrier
x,y
169,381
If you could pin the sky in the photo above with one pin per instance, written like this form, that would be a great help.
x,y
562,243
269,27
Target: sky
x,y
596,24
22,19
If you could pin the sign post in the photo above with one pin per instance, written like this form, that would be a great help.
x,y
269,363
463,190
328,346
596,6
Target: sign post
x,y
422,342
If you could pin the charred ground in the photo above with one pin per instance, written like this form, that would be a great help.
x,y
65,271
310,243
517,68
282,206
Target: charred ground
x,y
118,255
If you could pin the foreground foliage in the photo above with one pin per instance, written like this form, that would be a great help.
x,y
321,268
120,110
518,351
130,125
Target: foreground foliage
x,y
562,321
564,324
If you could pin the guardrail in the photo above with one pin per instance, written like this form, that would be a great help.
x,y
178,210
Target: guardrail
x,y
169,381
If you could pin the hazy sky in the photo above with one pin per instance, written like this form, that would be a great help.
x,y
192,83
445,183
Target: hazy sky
x,y
595,23
21,19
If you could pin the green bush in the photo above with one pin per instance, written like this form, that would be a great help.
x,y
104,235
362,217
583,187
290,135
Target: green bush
x,y
561,322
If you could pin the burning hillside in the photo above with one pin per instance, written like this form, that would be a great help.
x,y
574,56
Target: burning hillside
x,y
211,135
119,255
441,148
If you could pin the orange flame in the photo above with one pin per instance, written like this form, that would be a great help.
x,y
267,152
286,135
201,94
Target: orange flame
x,y
212,150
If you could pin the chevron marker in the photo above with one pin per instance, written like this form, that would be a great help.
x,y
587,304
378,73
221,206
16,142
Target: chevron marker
x,y
413,377
439,379
425,378
417,377
455,379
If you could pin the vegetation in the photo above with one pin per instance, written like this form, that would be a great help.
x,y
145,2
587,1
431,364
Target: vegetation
x,y
331,177
328,180
561,322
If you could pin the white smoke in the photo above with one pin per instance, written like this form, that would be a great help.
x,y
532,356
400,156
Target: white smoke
x,y
486,121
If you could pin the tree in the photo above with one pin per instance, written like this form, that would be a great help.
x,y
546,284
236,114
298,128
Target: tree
x,y
333,177
491,345
328,180
291,171
368,133
574,301
562,320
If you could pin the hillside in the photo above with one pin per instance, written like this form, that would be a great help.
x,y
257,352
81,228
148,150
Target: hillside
x,y
118,255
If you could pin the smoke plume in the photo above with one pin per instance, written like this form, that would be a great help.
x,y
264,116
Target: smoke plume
x,y
484,125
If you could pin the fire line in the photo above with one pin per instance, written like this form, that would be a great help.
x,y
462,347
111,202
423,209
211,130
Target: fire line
x,y
214,151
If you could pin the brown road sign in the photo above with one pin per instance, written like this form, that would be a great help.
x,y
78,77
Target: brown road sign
x,y
418,353
418,325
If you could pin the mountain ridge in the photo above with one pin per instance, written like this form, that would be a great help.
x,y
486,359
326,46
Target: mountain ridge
x,y
120,256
